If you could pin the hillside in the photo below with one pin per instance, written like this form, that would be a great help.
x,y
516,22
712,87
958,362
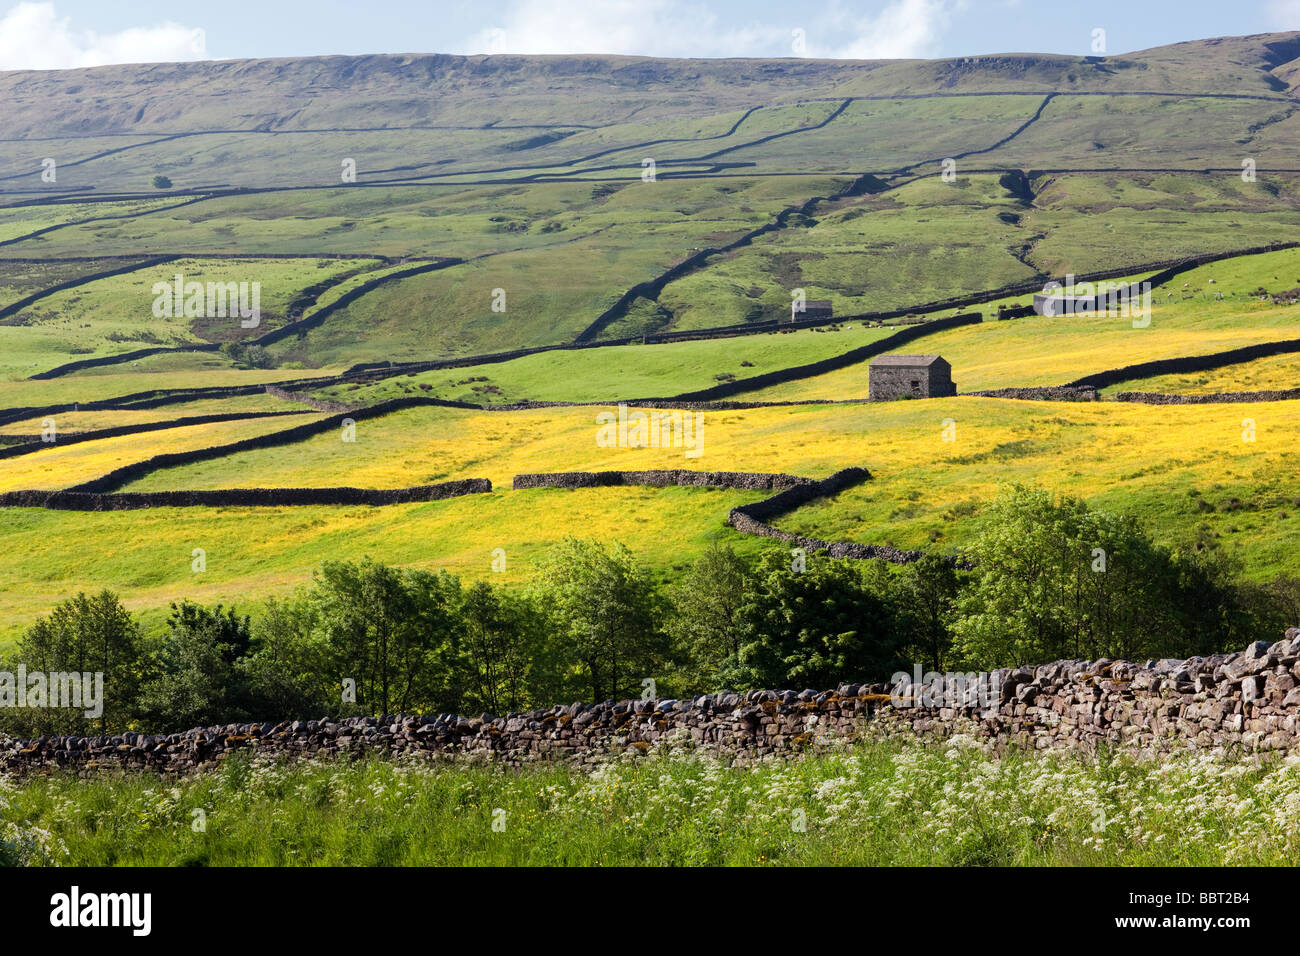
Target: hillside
x,y
502,244
434,89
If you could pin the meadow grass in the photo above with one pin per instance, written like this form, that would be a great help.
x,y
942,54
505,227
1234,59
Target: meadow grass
x,y
88,420
929,239
1136,132
62,466
1185,470
879,802
23,220
176,371
614,372
146,556
1266,374
1042,350
115,315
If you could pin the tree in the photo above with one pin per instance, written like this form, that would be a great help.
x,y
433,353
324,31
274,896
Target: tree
x,y
604,608
1284,592
201,672
395,632
1211,610
505,642
812,628
290,672
1056,580
705,610
925,595
161,182
1274,605
86,635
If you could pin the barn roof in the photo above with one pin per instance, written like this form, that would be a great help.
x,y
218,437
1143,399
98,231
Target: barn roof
x,y
908,361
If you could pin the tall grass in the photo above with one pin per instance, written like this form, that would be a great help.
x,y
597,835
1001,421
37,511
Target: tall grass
x,y
885,802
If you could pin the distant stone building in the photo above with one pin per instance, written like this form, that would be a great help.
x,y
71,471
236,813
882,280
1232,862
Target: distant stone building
x,y
815,309
1052,304
909,376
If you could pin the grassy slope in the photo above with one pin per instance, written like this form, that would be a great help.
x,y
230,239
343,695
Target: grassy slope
x,y
564,252
1052,351
155,372
894,803
115,315
926,492
62,466
253,553
617,372
1266,374
80,421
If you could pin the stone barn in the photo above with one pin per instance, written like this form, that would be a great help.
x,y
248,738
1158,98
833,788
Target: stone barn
x,y
1050,304
909,376
815,309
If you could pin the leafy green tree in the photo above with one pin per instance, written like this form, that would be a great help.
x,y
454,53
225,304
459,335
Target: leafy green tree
x,y
395,632
505,640
290,670
200,673
1211,609
86,635
703,620
812,628
1274,605
1056,580
161,182
924,595
1284,592
604,608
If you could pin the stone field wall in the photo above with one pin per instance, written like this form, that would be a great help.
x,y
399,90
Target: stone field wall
x,y
1244,702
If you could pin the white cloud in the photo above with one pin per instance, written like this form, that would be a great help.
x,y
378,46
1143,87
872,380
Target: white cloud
x,y
1285,14
903,28
34,37
906,28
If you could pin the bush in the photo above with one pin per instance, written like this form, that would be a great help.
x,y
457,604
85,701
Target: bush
x,y
200,669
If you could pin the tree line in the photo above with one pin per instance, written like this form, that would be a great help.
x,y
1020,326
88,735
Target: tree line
x,y
1045,578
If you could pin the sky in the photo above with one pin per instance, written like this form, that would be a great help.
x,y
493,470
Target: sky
x,y
74,33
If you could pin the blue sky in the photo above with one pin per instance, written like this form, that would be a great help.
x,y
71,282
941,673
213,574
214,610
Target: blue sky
x,y
67,33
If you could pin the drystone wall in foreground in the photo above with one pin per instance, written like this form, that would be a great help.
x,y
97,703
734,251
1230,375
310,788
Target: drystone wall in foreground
x,y
1247,701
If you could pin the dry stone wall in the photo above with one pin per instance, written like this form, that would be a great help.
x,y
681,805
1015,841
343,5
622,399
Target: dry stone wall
x,y
1215,398
34,443
240,497
1048,393
744,480
1186,364
1246,702
792,491
753,519
856,356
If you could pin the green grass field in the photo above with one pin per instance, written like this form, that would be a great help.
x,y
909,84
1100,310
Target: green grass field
x,y
528,175
478,174
893,803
